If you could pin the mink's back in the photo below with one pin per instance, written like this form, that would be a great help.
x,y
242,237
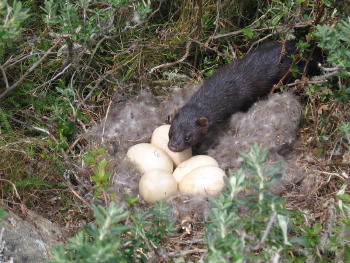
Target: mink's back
x,y
237,86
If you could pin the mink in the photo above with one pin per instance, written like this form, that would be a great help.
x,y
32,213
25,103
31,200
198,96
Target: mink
x,y
233,88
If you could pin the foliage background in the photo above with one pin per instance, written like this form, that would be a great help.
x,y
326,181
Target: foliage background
x,y
62,63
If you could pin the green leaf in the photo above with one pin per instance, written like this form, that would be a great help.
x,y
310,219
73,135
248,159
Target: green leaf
x,y
3,214
298,240
345,198
31,181
347,253
276,19
283,223
248,32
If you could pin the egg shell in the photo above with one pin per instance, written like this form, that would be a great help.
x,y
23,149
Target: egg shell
x,y
160,138
157,185
148,157
204,180
194,162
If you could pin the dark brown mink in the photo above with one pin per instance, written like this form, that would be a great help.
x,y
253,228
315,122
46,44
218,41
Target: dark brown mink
x,y
231,89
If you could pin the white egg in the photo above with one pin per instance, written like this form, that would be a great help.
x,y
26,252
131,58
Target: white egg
x,y
194,162
157,185
160,138
204,180
148,157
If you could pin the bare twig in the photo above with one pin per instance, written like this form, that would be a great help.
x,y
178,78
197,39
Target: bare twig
x,y
279,29
264,38
303,82
262,29
65,157
343,176
54,77
14,188
329,69
78,196
217,18
314,80
98,82
186,252
155,11
14,61
277,256
5,77
34,66
99,43
104,122
188,45
103,77
31,127
267,230
73,144
212,49
71,188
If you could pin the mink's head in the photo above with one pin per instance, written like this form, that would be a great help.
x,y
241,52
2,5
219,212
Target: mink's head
x,y
186,131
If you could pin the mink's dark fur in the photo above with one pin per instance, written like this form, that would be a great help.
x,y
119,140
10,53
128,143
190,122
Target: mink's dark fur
x,y
231,89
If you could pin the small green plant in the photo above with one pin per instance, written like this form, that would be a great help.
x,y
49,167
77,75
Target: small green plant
x,y
344,129
98,242
99,167
12,15
101,176
117,236
247,223
5,126
335,41
252,227
3,214
82,21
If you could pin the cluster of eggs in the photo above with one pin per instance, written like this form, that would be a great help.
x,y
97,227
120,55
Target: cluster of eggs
x,y
193,175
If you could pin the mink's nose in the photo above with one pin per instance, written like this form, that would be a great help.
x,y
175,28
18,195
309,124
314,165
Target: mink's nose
x,y
172,147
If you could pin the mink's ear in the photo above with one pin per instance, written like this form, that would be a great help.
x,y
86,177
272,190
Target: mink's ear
x,y
172,116
203,123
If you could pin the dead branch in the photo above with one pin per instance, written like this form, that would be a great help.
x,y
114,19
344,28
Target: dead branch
x,y
212,49
14,188
315,80
14,61
267,230
262,29
264,38
5,77
71,188
99,43
188,45
105,120
51,136
186,252
34,66
54,77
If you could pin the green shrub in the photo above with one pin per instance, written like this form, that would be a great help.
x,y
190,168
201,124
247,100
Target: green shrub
x,y
117,236
246,224
335,41
256,227
12,16
253,227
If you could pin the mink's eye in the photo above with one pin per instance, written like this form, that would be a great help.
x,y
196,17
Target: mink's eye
x,y
187,138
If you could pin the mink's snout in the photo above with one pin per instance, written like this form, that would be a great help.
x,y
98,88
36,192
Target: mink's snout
x,y
172,147
175,148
